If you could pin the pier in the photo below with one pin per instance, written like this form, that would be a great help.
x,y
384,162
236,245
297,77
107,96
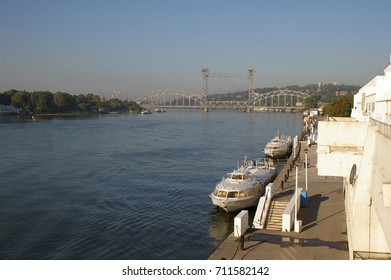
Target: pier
x,y
323,234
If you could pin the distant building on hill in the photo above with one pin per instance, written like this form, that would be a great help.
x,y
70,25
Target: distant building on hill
x,y
342,92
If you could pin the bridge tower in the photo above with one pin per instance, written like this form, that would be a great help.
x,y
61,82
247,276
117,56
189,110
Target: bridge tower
x,y
250,86
250,82
205,75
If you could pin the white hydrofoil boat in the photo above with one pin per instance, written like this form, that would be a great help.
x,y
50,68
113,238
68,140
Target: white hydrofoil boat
x,y
243,187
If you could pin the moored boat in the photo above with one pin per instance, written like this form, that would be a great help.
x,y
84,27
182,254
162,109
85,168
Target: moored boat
x,y
146,112
243,187
279,146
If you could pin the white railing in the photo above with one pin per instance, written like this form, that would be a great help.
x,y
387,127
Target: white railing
x,y
263,208
288,216
383,128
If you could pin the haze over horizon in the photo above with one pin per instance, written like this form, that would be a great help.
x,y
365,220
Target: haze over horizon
x,y
136,47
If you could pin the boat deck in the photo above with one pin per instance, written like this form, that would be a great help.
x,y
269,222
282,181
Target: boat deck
x,y
323,234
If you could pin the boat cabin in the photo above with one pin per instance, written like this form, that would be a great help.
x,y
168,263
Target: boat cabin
x,y
242,175
236,194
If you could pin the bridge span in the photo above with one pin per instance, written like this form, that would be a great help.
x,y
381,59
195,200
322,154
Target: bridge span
x,y
283,99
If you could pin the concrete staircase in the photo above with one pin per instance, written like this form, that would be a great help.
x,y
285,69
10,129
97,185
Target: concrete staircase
x,y
277,207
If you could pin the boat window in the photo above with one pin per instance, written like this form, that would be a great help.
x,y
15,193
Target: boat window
x,y
242,194
222,194
246,176
236,176
232,195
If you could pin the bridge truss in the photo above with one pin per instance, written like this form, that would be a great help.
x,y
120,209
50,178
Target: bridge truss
x,y
279,98
177,98
174,98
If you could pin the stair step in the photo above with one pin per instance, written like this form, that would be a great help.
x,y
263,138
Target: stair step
x,y
274,225
274,228
280,205
276,210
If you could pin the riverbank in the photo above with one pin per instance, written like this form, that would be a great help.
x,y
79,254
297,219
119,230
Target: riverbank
x,y
323,234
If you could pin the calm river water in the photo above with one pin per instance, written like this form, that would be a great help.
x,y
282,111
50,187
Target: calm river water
x,y
123,186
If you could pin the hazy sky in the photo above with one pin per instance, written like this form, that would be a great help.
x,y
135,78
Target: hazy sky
x,y
137,47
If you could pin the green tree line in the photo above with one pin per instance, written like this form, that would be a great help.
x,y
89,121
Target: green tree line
x,y
61,102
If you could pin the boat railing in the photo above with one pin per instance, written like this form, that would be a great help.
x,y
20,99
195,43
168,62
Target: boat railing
x,y
263,208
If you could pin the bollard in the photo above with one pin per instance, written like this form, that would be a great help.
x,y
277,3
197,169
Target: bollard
x,y
242,242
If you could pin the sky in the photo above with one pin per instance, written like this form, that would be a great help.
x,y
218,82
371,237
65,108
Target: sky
x,y
136,47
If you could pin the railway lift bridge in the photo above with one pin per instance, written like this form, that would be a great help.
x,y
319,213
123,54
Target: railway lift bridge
x,y
277,100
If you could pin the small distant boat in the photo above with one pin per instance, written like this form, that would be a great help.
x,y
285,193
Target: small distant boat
x,y
146,112
279,146
243,187
159,110
103,111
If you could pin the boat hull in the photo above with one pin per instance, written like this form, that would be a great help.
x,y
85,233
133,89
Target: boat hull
x,y
232,205
278,150
274,154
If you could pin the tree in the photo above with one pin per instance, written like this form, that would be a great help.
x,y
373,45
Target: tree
x,y
5,97
64,102
41,101
20,99
312,102
341,107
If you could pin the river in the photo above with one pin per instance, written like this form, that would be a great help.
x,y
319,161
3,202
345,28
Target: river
x,y
123,186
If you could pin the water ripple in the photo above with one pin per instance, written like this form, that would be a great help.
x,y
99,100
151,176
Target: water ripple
x,y
123,187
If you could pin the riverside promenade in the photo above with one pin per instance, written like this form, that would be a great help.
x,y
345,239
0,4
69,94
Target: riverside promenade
x,y
323,235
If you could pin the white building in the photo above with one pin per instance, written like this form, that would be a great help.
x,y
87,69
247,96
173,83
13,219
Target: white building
x,y
8,110
374,99
358,149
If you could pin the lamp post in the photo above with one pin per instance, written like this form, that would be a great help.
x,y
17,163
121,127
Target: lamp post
x,y
306,171
297,168
297,224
